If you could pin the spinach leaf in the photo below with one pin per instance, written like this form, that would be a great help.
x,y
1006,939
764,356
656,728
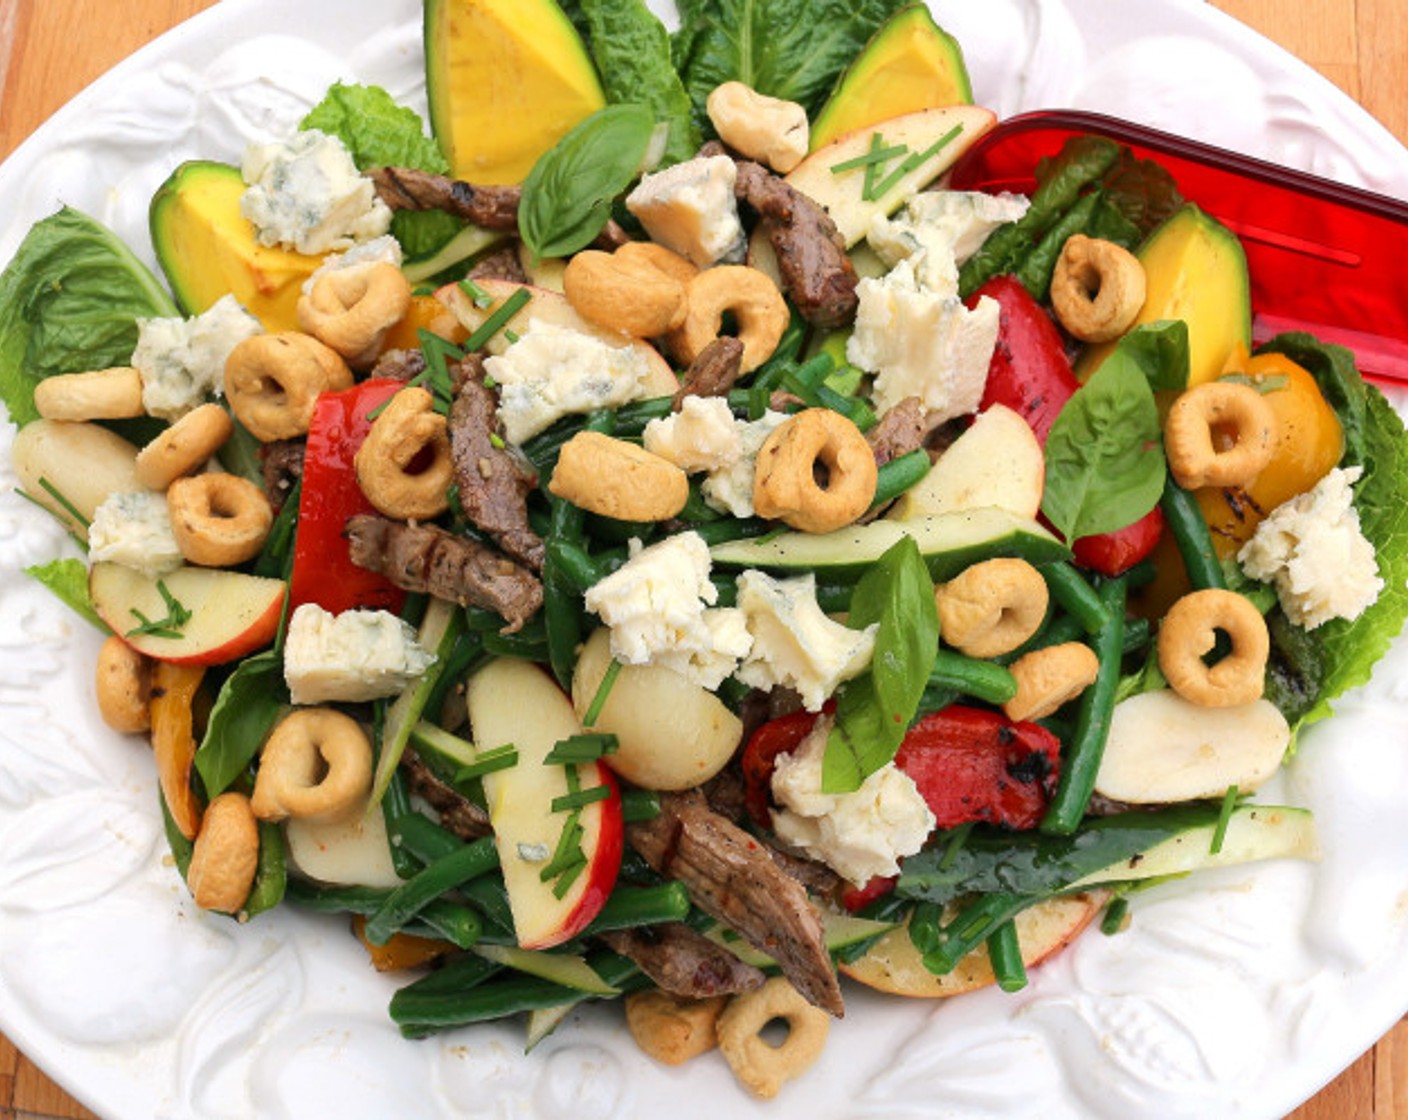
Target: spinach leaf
x,y
251,701
1338,378
1160,350
69,301
567,196
1104,465
68,579
631,49
271,875
793,49
874,710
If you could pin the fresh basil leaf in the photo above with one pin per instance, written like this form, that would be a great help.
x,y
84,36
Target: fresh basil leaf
x,y
874,710
1160,350
251,701
68,579
69,301
1104,465
567,196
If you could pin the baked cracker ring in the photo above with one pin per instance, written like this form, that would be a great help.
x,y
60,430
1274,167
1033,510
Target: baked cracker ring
x,y
351,309
404,466
1220,433
749,296
219,520
762,1067
316,765
185,447
272,382
992,607
785,484
1188,633
1097,289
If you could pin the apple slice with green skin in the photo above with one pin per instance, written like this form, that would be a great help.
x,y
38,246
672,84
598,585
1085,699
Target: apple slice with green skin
x,y
231,614
996,462
895,966
547,306
517,702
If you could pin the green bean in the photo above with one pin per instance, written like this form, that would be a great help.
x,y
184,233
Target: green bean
x,y
515,645
334,899
984,679
1137,633
696,509
641,906
1190,531
468,648
271,875
395,804
443,875
639,804
1005,953
439,918
1075,595
490,898
1087,746
732,529
1036,266
458,975
573,564
422,837
562,612
971,926
898,475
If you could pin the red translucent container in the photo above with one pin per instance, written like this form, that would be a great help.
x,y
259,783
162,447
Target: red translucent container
x,y
1323,257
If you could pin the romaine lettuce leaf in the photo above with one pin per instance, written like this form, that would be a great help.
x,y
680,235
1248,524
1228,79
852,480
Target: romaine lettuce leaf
x,y
68,580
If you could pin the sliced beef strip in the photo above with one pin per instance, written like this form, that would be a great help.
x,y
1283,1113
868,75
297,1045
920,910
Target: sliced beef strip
x,y
713,373
494,481
458,814
901,430
683,962
398,365
732,877
501,264
404,188
282,467
426,559
811,254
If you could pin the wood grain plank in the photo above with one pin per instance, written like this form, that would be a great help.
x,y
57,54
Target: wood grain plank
x,y
1383,35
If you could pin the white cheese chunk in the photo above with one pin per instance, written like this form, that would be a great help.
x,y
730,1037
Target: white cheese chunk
x,y
691,209
729,487
551,371
353,656
659,608
858,835
182,361
939,230
376,251
134,529
1312,549
701,436
923,344
795,644
307,194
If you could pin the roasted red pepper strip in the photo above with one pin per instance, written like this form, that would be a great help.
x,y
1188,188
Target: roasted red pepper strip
x,y
323,571
971,764
777,736
1031,375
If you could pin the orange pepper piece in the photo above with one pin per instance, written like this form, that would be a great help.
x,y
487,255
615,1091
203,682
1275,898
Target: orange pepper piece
x,y
401,951
173,740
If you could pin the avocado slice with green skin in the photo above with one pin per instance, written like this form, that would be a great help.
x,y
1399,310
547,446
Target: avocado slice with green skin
x,y
207,248
506,79
909,64
1196,270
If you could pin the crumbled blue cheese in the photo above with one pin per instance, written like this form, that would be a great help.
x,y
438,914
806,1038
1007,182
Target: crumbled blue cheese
x,y
134,529
691,209
1312,549
551,371
182,361
307,194
353,656
701,436
729,487
923,344
376,251
858,835
795,644
659,606
939,230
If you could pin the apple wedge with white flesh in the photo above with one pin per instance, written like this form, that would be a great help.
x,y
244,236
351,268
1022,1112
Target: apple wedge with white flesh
x,y
996,462
515,702
213,616
546,306
895,966
1163,749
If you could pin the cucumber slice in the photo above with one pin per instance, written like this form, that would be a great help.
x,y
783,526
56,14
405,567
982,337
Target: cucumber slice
x,y
567,969
469,242
949,543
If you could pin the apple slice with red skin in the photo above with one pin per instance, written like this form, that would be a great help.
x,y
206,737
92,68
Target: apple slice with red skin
x,y
231,614
519,703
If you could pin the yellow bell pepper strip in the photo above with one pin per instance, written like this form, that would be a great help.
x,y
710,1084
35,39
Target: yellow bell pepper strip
x,y
173,741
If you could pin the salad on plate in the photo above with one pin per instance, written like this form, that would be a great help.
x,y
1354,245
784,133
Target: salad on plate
x,y
650,539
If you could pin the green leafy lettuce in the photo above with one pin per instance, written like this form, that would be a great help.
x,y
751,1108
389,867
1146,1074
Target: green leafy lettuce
x,y
68,580
69,301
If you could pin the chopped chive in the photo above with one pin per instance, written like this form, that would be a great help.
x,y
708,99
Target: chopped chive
x,y
480,297
496,440
568,850
495,322
72,510
1114,920
872,169
1224,818
567,878
579,799
603,690
956,839
639,804
512,336
499,758
489,382
169,627
581,748
875,155
914,161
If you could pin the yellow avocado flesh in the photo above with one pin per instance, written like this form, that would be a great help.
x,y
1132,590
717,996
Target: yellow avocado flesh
x,y
909,64
1194,270
506,80
208,249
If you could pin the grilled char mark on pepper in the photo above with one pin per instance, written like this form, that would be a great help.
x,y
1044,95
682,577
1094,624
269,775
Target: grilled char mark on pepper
x,y
713,373
458,814
811,255
425,559
494,482
733,878
683,962
405,188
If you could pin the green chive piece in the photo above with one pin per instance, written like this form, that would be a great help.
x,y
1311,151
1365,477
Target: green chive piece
x,y
603,690
580,798
499,758
1224,818
956,839
581,748
875,155
480,297
873,168
169,627
71,509
495,322
1114,920
915,161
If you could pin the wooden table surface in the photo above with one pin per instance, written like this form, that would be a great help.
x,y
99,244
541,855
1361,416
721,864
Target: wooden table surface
x,y
50,49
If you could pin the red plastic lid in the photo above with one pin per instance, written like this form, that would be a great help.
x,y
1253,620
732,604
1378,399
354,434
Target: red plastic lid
x,y
1323,257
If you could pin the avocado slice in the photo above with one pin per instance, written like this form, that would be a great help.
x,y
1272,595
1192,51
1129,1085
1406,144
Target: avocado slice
x,y
506,79
207,248
910,63
1194,270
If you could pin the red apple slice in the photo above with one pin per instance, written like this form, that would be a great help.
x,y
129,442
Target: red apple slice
x,y
231,614
516,702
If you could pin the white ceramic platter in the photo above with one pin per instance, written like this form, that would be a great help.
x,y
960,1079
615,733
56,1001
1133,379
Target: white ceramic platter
x,y
1235,995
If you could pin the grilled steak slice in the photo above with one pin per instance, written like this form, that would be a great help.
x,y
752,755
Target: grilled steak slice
x,y
282,467
494,481
458,813
426,559
501,264
901,430
811,255
732,877
683,962
713,373
404,188
398,365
